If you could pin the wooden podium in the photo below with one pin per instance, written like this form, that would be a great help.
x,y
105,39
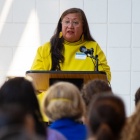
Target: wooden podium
x,y
43,79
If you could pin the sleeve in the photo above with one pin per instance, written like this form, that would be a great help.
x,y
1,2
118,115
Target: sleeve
x,y
42,60
102,62
38,61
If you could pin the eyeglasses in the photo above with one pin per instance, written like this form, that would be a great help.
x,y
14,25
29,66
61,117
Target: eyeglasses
x,y
68,22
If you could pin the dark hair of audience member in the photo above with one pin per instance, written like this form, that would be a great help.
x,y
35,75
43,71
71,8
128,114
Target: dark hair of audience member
x,y
137,96
131,130
16,123
106,117
93,87
21,91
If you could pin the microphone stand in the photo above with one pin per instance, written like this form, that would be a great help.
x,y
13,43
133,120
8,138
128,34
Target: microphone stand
x,y
96,58
90,54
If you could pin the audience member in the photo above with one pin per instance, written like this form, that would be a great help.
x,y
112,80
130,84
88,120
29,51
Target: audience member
x,y
137,96
94,87
64,107
132,128
20,91
106,117
16,123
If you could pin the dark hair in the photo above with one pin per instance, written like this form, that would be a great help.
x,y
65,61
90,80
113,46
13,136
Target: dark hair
x,y
93,87
12,115
12,123
137,96
21,91
57,47
106,117
131,129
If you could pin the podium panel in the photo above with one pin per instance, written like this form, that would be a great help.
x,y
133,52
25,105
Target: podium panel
x,y
43,79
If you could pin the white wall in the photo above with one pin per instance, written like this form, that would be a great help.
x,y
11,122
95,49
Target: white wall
x,y
115,24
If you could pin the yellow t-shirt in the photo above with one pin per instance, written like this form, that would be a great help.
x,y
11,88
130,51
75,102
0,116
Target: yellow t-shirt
x,y
74,61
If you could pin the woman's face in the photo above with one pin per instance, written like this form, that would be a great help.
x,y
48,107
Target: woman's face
x,y
72,27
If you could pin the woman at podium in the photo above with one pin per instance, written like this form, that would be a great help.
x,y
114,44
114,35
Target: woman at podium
x,y
71,48
63,51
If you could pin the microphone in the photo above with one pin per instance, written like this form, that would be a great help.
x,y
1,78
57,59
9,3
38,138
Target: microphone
x,y
88,52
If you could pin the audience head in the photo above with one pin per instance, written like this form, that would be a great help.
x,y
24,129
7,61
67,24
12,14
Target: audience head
x,y
63,100
20,91
137,96
106,117
14,118
131,130
93,88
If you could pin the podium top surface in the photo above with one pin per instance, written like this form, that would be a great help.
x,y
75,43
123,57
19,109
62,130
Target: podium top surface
x,y
65,72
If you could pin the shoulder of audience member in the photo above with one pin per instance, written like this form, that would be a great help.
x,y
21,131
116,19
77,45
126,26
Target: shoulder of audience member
x,y
54,135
